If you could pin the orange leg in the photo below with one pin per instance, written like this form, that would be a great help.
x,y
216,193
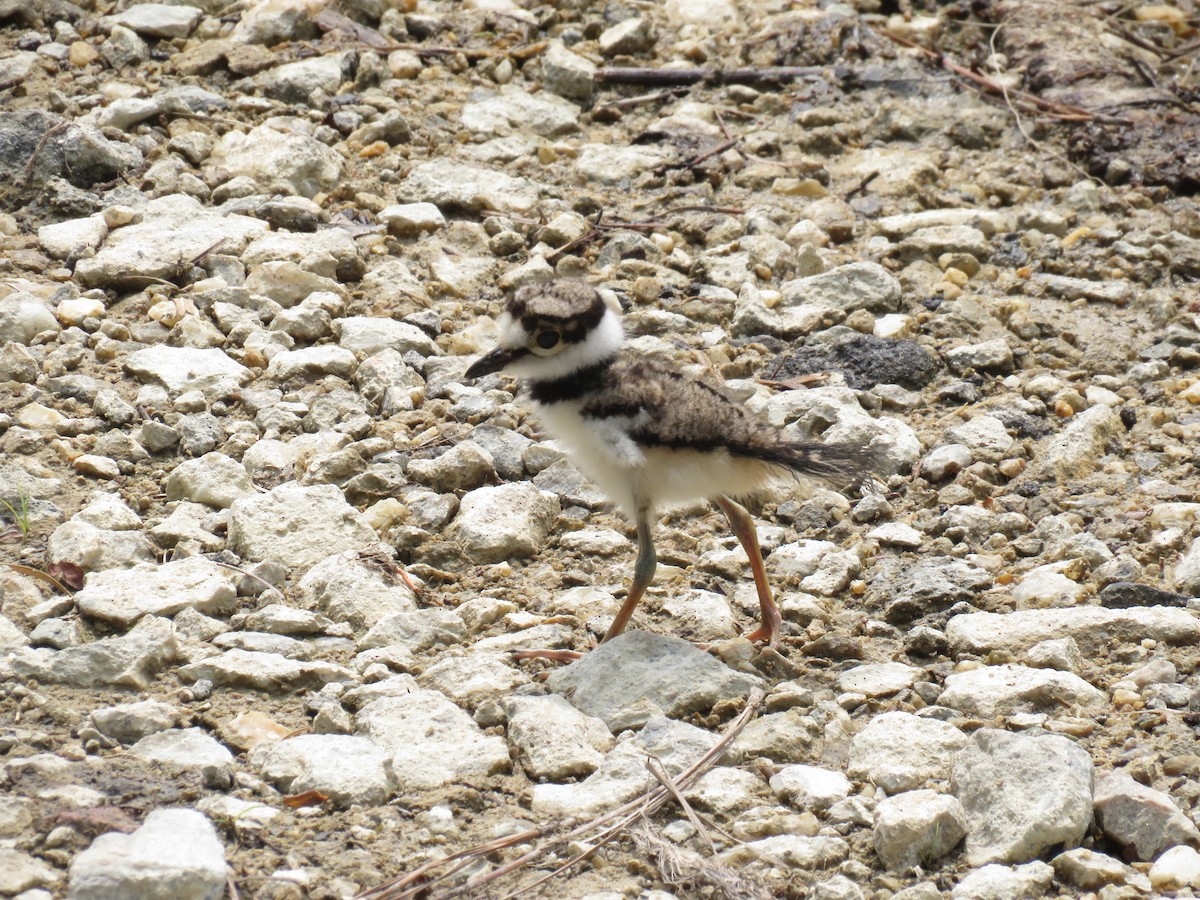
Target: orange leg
x,y
643,574
771,626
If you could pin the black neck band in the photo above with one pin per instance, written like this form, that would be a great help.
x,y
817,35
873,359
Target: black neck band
x,y
573,386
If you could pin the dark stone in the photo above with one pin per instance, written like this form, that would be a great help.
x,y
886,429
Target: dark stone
x,y
908,592
864,360
79,153
1127,594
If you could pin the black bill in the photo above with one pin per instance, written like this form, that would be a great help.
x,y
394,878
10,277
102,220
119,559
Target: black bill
x,y
493,361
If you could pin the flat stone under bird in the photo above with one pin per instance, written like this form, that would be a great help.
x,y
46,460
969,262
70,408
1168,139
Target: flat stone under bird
x,y
648,435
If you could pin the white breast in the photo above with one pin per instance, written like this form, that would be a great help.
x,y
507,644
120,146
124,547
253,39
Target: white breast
x,y
660,477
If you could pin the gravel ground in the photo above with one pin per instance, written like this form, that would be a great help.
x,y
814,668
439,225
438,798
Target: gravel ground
x,y
270,554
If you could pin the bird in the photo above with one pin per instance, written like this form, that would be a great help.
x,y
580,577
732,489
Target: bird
x,y
650,436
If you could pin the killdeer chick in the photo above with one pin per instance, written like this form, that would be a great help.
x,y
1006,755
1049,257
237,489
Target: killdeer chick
x,y
649,436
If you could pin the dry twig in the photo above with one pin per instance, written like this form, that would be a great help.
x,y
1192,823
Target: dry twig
x,y
595,833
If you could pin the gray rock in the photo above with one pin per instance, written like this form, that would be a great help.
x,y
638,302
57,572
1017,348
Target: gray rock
x,y
505,446
180,369
454,185
75,151
638,675
623,775
917,828
509,521
995,882
431,741
357,589
176,853
277,618
898,751
23,317
615,164
268,672
630,36
350,770
174,229
131,660
810,787
128,723
1022,794
282,157
1142,820
992,691
1091,627
552,740
985,437
122,596
368,335
296,526
190,749
989,221
214,479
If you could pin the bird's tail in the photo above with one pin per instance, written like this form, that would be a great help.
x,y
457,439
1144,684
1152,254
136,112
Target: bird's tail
x,y
841,466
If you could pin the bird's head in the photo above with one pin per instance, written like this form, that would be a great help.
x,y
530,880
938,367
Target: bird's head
x,y
548,331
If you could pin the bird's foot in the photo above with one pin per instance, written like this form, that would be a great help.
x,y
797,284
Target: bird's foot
x,y
764,634
552,655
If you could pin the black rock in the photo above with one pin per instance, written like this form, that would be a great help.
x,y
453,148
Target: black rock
x,y
1127,594
864,360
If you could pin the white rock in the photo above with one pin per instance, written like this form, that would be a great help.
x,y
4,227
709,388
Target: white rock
x,y
411,219
281,159
509,521
23,317
175,853
810,787
900,752
1076,450
189,749
552,740
1022,794
614,164
727,791
131,660
567,73
95,549
128,723
174,229
368,335
701,615
312,363
622,775
268,672
791,851
1139,818
431,741
471,679
1047,586
878,679
991,691
513,109
72,237
1176,868
156,20
296,526
180,369
350,588
995,882
1092,627
122,596
986,437
917,828
449,185
350,770
214,479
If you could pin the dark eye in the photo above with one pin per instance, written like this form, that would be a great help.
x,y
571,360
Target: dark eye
x,y
547,339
